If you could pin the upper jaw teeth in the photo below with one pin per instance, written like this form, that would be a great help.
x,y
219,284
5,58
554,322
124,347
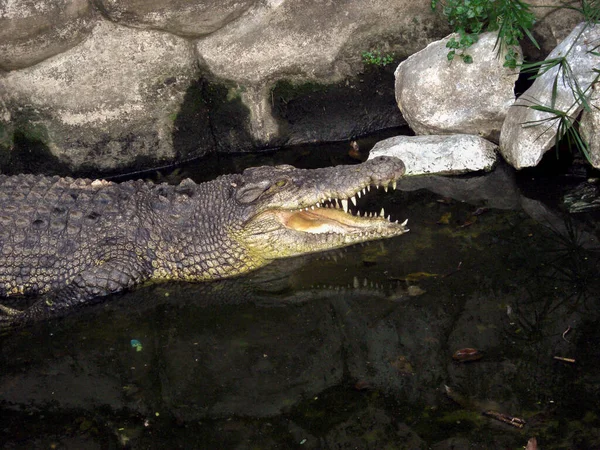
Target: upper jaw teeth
x,y
335,203
345,204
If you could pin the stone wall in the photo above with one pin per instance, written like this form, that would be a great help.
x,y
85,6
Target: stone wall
x,y
106,86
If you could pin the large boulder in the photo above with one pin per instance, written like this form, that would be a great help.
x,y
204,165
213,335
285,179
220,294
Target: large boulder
x,y
106,103
437,96
302,43
528,133
448,155
33,30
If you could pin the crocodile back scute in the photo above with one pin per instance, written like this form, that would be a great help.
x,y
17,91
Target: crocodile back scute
x,y
52,228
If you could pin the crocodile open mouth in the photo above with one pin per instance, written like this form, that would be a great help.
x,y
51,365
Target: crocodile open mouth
x,y
344,215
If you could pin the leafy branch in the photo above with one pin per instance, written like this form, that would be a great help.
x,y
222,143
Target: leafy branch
x,y
512,19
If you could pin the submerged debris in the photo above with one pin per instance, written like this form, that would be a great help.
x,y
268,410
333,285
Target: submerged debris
x,y
470,404
510,420
402,365
583,198
568,360
354,151
415,291
362,385
467,355
137,345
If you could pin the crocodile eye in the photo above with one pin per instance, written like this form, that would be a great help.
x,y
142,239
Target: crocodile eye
x,y
281,183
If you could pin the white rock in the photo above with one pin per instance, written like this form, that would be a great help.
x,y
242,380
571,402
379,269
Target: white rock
x,y
524,146
589,127
453,154
441,97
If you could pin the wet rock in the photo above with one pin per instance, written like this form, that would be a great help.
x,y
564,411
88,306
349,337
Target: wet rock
x,y
108,102
454,154
560,227
583,197
524,146
497,189
33,30
453,97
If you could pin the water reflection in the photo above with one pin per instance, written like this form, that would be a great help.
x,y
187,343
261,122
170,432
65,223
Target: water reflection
x,y
349,349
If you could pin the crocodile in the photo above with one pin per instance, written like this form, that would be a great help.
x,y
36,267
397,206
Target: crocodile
x,y
68,242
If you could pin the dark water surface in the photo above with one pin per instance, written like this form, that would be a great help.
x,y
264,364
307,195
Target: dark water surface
x,y
342,350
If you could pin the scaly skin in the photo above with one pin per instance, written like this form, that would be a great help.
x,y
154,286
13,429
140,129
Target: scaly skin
x,y
69,242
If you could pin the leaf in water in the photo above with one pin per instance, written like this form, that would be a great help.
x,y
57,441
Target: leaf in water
x,y
402,365
362,385
466,355
415,291
470,221
445,219
532,444
480,211
415,276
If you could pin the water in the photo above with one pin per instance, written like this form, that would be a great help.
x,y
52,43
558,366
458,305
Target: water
x,y
345,349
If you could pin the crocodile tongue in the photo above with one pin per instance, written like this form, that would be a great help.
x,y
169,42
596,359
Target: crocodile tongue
x,y
328,221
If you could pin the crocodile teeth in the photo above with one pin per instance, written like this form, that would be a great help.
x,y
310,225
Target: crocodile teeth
x,y
364,191
355,282
382,213
404,223
345,204
353,200
394,184
385,187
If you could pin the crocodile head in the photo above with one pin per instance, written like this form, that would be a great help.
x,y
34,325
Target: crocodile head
x,y
290,211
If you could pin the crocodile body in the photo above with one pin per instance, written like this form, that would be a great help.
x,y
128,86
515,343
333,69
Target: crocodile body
x,y
67,242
